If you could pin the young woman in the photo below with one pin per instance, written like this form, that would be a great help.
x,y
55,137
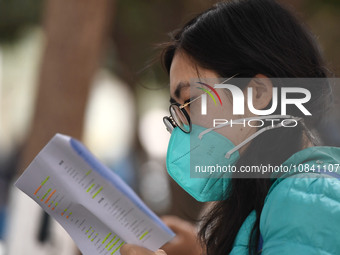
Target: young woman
x,y
253,44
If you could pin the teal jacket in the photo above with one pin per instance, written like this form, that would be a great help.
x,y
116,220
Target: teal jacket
x,y
301,214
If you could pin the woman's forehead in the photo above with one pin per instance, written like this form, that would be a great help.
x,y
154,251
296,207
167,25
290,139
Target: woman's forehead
x,y
183,70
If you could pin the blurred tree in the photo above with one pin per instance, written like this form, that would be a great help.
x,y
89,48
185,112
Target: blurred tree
x,y
140,26
76,31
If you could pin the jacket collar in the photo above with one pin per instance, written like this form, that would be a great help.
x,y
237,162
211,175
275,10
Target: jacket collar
x,y
313,158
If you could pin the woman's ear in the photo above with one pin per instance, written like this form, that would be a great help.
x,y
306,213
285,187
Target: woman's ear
x,y
262,91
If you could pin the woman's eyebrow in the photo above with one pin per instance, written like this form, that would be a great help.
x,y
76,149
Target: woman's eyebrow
x,y
180,87
173,101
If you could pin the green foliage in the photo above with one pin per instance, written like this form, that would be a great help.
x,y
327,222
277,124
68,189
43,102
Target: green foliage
x,y
314,6
140,26
16,15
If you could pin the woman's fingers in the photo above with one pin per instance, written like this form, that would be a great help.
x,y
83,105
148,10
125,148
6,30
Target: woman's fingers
x,y
177,224
185,241
130,249
160,252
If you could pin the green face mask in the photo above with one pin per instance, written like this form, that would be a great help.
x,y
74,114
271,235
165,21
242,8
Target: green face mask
x,y
186,152
203,148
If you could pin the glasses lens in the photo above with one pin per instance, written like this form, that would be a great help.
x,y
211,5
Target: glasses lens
x,y
180,118
167,122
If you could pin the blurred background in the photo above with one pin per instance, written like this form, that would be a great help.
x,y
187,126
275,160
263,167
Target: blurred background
x,y
81,67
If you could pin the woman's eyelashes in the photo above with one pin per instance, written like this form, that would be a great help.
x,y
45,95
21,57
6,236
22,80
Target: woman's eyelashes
x,y
173,101
187,101
181,101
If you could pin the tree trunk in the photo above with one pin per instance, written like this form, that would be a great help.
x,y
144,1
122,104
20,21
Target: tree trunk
x,y
76,31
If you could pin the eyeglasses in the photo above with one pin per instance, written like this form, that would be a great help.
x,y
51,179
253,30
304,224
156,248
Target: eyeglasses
x,y
179,117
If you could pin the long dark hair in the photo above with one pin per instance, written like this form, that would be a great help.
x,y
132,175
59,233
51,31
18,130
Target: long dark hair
x,y
251,37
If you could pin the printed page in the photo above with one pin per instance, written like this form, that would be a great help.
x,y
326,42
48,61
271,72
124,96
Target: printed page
x,y
97,209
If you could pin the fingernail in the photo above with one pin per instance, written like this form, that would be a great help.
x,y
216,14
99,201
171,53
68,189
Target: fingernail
x,y
160,252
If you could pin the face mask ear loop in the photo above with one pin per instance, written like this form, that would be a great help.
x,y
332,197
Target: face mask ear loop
x,y
245,119
200,136
236,148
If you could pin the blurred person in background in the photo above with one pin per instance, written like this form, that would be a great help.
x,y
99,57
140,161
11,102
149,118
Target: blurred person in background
x,y
258,40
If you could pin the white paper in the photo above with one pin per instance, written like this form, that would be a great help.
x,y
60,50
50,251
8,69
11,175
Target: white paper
x,y
98,210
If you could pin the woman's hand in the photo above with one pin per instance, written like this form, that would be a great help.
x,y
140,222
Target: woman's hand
x,y
185,241
130,249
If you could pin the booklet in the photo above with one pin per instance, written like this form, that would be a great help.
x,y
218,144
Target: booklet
x,y
98,210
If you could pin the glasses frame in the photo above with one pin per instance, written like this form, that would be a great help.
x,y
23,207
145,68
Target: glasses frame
x,y
170,122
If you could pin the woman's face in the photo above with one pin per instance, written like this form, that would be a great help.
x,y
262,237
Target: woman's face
x,y
182,89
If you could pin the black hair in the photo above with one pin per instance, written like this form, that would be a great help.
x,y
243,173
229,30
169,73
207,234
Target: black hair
x,y
251,37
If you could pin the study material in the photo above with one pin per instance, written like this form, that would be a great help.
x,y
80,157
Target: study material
x,y
98,210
